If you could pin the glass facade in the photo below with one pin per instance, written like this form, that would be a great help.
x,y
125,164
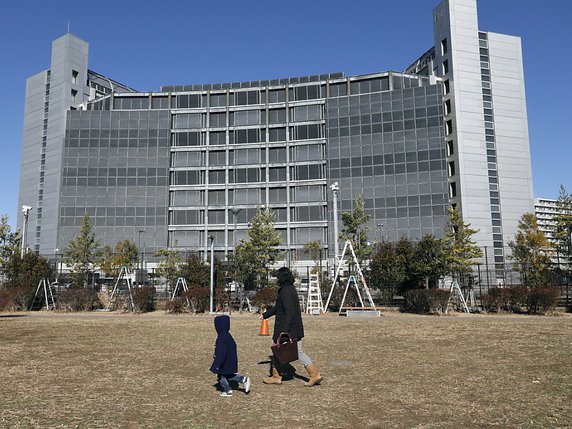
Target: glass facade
x,y
388,147
187,165
115,167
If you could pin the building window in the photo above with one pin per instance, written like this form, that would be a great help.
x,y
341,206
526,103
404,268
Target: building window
x,y
448,127
447,86
450,148
447,107
452,190
246,97
451,168
277,155
444,46
217,120
186,101
445,67
277,116
73,94
276,96
217,157
277,174
74,76
277,134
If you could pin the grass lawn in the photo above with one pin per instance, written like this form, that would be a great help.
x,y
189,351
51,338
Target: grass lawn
x,y
107,370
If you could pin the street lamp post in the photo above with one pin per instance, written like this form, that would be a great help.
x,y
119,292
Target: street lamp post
x,y
139,246
25,212
235,211
211,238
140,250
56,251
380,226
335,189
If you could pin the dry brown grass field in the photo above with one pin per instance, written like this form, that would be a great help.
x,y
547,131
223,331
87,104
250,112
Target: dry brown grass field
x,y
107,370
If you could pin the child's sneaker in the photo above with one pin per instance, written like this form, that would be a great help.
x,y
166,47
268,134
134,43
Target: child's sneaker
x,y
247,385
226,394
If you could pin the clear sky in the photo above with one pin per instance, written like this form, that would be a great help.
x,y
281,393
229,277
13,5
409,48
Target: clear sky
x,y
148,44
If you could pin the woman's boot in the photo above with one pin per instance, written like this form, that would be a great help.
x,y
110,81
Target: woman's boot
x,y
315,377
275,378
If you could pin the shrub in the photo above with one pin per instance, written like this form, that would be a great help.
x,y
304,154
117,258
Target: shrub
x,y
352,299
199,297
265,297
6,296
20,297
426,301
498,299
143,299
517,298
175,306
541,300
79,299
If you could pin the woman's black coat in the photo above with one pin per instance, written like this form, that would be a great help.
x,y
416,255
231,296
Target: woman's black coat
x,y
287,312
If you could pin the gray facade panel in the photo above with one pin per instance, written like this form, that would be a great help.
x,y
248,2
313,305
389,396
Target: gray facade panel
x,y
121,183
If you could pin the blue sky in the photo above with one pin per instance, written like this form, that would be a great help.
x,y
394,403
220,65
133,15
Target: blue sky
x,y
148,44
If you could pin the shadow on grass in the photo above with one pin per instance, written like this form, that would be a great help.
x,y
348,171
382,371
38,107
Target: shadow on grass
x,y
10,316
288,371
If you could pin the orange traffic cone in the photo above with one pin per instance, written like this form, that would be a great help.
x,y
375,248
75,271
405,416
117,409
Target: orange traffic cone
x,y
264,328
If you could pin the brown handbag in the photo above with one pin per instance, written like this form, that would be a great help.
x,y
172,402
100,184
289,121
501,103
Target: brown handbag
x,y
285,350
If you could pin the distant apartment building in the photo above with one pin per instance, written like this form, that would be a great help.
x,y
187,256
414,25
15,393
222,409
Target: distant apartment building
x,y
546,212
178,165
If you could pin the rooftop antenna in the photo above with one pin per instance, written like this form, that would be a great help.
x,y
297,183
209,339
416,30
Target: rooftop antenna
x,y
68,27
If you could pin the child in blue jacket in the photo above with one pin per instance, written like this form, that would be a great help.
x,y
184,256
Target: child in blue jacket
x,y
225,363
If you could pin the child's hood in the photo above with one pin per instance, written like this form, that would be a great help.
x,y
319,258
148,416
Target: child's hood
x,y
222,324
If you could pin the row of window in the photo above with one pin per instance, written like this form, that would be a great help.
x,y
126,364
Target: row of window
x,y
113,211
114,172
124,133
301,153
387,127
111,182
298,236
261,96
488,117
388,159
247,175
298,194
110,221
121,143
249,135
386,117
245,215
247,117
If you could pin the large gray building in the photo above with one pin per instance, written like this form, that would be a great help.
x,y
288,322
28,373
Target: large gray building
x,y
173,167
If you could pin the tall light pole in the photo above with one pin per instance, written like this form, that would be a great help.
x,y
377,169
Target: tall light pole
x,y
56,251
335,189
211,238
139,246
235,211
380,226
25,212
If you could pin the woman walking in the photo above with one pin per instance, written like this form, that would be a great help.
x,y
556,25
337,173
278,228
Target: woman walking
x,y
289,321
